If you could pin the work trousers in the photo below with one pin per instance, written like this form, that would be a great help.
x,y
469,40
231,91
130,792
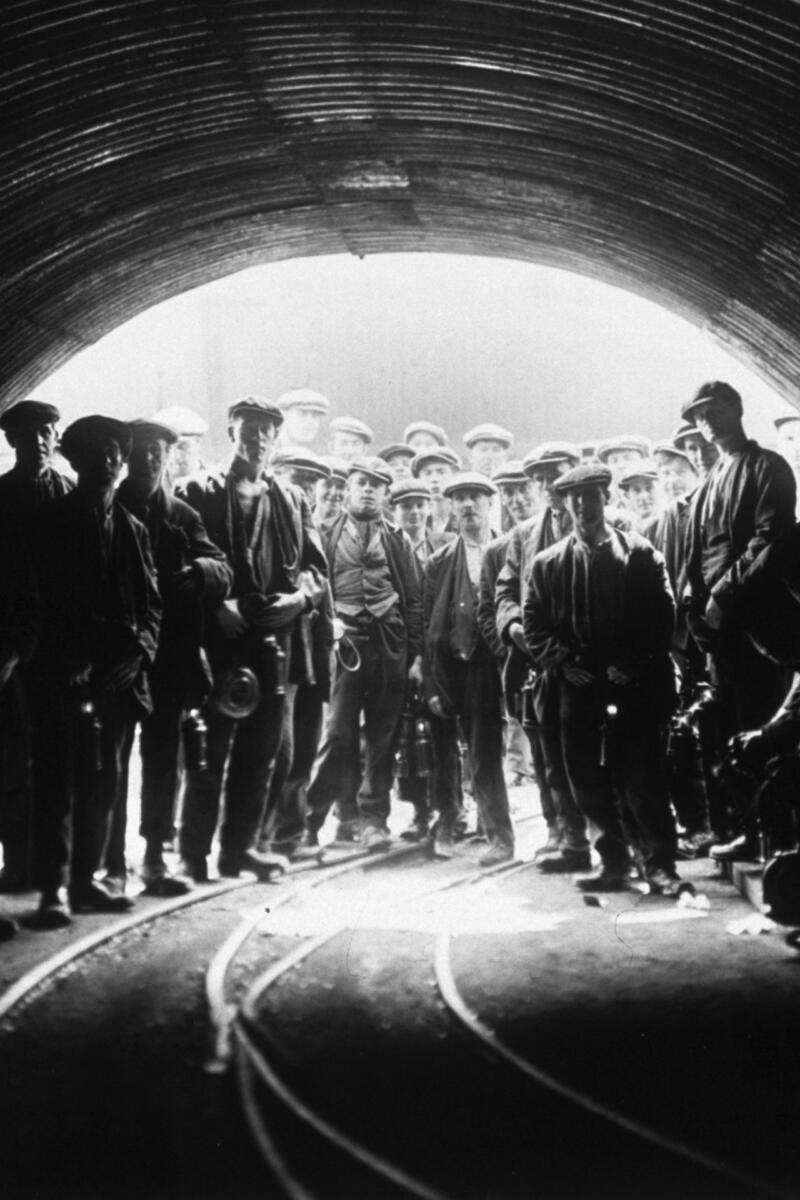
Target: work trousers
x,y
477,694
625,797
285,816
78,777
240,755
377,689
15,790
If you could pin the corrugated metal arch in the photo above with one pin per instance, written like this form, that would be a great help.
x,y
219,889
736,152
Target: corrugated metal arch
x,y
147,147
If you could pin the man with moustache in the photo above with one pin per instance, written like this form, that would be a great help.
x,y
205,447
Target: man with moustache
x,y
30,430
264,528
746,503
376,596
193,578
102,616
462,674
567,846
598,619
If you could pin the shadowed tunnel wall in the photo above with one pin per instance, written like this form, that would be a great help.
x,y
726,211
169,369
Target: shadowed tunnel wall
x,y
149,147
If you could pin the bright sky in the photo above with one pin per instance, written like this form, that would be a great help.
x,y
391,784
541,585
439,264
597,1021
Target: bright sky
x,y
455,339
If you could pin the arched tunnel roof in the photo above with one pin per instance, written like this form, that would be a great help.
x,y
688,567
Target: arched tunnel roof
x,y
154,145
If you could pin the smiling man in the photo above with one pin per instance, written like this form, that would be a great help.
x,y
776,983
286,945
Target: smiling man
x,y
745,504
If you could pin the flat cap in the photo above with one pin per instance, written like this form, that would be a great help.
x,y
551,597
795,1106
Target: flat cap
x,y
304,398
642,470
257,406
394,449
488,433
29,412
352,425
672,451
715,389
626,441
584,475
435,454
784,420
435,431
471,481
185,421
510,474
144,428
300,459
549,453
88,430
370,464
338,467
684,430
409,489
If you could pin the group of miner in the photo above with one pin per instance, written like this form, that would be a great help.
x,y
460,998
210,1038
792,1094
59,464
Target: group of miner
x,y
274,625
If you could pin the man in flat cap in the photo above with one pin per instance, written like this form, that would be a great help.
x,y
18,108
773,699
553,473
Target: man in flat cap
x,y
627,450
350,438
193,578
30,429
329,493
102,616
566,842
598,619
488,447
264,528
462,676
424,435
746,503
641,494
302,467
303,412
377,601
435,467
516,496
185,457
675,471
398,457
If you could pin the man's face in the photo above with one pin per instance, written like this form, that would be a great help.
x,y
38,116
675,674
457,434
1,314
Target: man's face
x,y
487,455
543,481
789,442
676,475
640,497
99,464
471,510
347,445
517,500
436,475
624,457
702,453
329,495
716,419
34,446
412,514
422,440
185,458
366,495
400,466
301,426
148,461
586,506
253,436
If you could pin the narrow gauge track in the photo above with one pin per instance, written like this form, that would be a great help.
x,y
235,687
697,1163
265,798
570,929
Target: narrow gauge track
x,y
316,1151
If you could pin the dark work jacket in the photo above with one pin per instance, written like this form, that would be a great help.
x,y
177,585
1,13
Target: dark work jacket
x,y
452,631
297,548
767,601
554,593
494,556
669,534
757,507
178,540
85,621
20,611
24,497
